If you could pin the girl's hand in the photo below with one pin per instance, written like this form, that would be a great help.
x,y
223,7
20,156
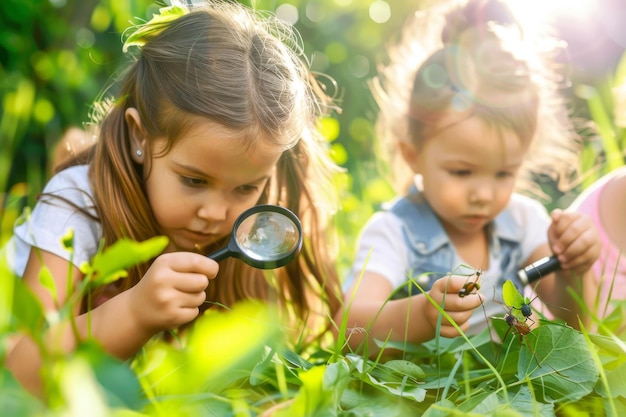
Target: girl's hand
x,y
445,293
575,240
170,292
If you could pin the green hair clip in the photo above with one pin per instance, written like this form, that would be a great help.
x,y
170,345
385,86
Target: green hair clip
x,y
144,32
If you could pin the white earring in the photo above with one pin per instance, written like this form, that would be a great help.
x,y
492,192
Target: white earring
x,y
138,152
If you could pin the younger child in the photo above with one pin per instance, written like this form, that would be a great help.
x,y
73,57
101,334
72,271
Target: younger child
x,y
215,115
605,203
465,124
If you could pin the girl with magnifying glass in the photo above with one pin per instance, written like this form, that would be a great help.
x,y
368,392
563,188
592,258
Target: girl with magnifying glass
x,y
215,115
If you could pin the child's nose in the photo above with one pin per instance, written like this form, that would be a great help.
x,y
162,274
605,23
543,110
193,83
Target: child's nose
x,y
482,192
214,207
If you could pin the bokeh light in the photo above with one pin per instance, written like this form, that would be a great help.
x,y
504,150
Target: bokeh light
x,y
288,12
380,12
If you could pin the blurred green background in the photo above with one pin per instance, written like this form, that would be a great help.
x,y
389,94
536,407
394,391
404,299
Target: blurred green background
x,y
56,56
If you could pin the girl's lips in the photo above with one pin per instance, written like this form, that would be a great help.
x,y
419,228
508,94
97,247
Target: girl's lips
x,y
199,238
476,219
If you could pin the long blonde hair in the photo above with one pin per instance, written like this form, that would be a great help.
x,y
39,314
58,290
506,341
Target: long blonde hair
x,y
478,57
225,62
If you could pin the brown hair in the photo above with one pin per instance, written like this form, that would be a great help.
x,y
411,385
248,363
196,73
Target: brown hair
x,y
223,62
476,59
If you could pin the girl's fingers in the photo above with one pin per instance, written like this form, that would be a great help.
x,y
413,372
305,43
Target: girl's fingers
x,y
191,283
467,303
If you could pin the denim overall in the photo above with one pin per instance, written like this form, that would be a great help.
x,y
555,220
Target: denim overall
x,y
431,255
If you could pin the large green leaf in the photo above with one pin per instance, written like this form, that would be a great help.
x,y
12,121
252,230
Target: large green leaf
x,y
561,367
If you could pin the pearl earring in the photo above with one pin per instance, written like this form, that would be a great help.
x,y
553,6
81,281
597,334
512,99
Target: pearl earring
x,y
138,152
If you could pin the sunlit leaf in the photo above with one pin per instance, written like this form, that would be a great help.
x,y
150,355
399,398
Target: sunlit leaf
x,y
7,282
111,264
312,398
511,295
600,115
156,25
514,299
222,348
67,240
47,280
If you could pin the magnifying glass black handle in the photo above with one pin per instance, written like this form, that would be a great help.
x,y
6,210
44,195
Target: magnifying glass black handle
x,y
220,254
539,269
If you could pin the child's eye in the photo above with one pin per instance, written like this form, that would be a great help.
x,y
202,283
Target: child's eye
x,y
504,174
460,172
248,189
192,182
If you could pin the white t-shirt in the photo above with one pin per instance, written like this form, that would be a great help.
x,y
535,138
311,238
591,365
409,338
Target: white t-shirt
x,y
382,249
51,218
382,235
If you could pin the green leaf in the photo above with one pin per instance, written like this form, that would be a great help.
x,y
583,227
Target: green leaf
x,y
68,240
312,396
27,309
404,367
616,383
111,264
513,299
295,359
221,348
511,295
521,404
159,22
119,383
7,283
611,343
391,379
15,400
561,367
47,280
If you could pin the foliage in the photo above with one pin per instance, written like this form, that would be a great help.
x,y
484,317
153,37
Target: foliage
x,y
238,363
55,58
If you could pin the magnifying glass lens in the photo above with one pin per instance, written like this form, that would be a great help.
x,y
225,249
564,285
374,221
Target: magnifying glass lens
x,y
264,236
267,236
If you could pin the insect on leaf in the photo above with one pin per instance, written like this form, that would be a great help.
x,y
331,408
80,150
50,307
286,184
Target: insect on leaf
x,y
511,295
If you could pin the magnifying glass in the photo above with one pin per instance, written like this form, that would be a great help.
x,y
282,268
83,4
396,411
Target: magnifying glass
x,y
264,236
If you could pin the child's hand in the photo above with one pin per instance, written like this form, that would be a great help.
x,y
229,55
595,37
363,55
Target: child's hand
x,y
170,292
574,239
460,309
